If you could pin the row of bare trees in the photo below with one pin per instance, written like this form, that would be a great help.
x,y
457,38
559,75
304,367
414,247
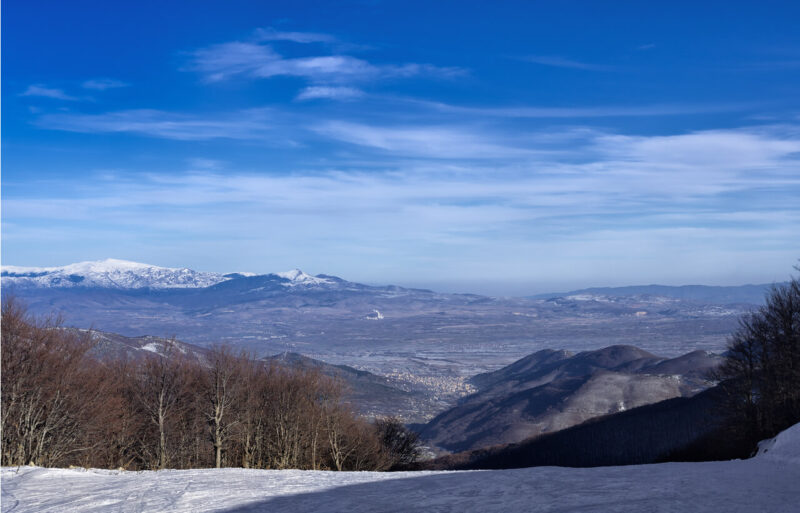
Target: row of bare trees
x,y
61,406
761,371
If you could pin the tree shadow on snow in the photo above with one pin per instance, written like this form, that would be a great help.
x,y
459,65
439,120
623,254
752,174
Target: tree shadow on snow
x,y
429,493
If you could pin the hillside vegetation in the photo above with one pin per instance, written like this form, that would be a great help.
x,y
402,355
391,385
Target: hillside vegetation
x,y
169,409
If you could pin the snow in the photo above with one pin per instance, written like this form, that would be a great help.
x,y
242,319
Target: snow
x,y
588,297
768,482
153,347
784,448
298,277
123,274
113,273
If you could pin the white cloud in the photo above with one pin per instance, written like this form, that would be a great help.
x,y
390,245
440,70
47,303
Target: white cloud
x,y
733,149
251,60
101,84
200,163
576,112
270,34
330,92
446,142
248,124
686,201
621,181
47,92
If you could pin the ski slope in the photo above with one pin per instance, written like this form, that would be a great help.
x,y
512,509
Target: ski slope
x,y
769,482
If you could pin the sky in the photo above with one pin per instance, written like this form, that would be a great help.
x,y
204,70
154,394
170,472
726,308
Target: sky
x,y
506,148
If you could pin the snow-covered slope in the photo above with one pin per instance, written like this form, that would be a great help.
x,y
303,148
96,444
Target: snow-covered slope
x,y
783,448
123,274
768,482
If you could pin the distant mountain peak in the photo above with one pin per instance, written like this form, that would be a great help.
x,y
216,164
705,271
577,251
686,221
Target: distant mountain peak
x,y
298,277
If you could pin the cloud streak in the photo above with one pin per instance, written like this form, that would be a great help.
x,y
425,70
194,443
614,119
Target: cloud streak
x,y
101,84
561,62
611,111
244,125
47,92
271,34
445,142
331,93
252,60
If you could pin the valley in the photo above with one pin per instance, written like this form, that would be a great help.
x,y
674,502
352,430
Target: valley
x,y
424,344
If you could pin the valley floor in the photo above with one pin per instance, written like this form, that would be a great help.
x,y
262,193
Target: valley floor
x,y
770,482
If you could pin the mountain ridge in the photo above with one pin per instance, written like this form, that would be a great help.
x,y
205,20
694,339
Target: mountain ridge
x,y
747,293
126,274
552,390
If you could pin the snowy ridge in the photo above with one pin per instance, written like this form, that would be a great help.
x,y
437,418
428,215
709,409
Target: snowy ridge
x,y
297,277
109,273
123,274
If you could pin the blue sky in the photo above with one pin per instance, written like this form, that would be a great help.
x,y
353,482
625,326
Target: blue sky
x,y
495,147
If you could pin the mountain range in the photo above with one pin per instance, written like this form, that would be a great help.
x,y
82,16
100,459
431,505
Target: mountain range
x,y
701,293
550,390
429,342
123,274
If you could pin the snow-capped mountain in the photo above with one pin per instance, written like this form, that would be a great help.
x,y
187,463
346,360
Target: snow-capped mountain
x,y
123,274
297,277
109,273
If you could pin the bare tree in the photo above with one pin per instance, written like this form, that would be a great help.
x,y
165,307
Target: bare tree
x,y
62,406
52,396
761,371
221,386
159,384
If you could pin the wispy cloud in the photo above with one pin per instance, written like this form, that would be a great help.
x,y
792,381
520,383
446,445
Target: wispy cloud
x,y
271,34
101,84
523,111
204,164
445,142
47,92
661,198
330,92
247,124
561,62
729,149
252,60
